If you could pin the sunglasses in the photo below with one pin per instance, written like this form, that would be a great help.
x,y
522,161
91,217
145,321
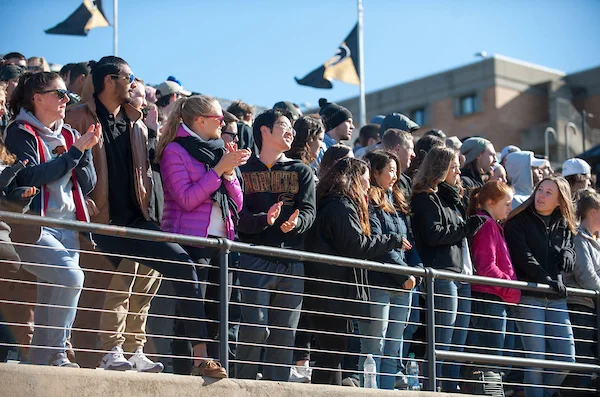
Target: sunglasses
x,y
60,93
130,77
232,134
211,116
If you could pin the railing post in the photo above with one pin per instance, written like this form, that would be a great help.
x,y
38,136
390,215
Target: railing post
x,y
224,247
431,360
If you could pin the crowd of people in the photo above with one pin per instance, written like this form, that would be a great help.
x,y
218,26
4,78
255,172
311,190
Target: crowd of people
x,y
95,143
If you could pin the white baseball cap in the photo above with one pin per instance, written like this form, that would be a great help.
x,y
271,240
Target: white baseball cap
x,y
170,87
576,166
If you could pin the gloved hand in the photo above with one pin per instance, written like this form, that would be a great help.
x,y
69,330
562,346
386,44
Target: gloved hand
x,y
558,286
567,263
474,223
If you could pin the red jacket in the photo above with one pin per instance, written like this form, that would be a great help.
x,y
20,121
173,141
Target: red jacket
x,y
491,259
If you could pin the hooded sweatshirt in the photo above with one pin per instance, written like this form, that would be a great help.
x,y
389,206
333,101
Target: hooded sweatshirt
x,y
518,171
61,204
289,181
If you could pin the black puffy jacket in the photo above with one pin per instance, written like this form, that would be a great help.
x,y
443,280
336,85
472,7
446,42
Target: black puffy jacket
x,y
337,231
537,251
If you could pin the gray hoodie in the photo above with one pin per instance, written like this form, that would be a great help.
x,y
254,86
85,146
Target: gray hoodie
x,y
60,202
586,272
518,172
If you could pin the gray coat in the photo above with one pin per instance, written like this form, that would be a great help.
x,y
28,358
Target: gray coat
x,y
586,272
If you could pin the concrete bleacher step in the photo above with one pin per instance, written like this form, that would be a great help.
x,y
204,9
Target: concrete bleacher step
x,y
37,381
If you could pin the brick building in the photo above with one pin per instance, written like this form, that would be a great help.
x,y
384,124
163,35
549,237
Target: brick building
x,y
505,100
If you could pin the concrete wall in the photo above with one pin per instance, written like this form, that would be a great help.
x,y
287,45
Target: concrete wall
x,y
34,381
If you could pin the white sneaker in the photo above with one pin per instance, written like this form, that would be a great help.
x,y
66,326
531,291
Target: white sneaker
x,y
142,363
115,360
300,374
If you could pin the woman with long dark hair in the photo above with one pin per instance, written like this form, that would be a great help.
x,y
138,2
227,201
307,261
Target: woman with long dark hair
x,y
539,234
310,132
341,228
59,163
391,294
441,231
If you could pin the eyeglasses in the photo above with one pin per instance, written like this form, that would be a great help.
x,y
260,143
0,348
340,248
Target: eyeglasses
x,y
35,68
286,127
212,116
234,135
130,77
60,93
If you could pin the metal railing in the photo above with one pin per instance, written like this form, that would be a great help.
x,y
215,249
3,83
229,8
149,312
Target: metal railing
x,y
226,246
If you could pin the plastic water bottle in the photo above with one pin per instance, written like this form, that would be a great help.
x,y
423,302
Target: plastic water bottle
x,y
370,373
412,373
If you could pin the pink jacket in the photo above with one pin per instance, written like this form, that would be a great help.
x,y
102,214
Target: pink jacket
x,y
491,259
188,186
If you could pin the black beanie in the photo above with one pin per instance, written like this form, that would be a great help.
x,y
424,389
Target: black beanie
x,y
333,114
10,71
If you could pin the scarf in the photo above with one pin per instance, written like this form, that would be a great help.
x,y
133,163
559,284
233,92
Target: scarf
x,y
209,153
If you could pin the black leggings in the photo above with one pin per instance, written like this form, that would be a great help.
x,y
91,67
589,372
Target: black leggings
x,y
333,341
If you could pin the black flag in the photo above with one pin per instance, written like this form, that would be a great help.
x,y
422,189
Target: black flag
x,y
88,16
343,66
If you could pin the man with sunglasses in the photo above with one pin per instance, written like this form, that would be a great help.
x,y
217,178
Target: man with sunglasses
x,y
279,209
121,197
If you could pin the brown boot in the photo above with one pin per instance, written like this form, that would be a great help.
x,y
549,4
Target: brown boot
x,y
210,368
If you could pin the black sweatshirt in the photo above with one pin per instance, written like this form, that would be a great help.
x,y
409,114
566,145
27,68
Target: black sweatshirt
x,y
289,181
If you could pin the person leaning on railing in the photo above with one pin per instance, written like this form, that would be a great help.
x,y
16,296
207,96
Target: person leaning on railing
x,y
585,275
491,259
59,163
342,229
539,235
202,192
390,293
441,233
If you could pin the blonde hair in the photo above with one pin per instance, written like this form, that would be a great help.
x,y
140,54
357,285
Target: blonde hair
x,y
44,64
564,201
185,110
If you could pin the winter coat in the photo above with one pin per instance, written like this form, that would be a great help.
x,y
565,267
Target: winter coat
x,y
384,223
438,229
537,251
188,187
337,231
491,258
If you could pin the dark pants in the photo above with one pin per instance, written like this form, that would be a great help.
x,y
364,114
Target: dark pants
x,y
303,339
583,320
333,344
185,283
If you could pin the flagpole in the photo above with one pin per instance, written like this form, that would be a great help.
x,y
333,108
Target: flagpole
x,y
115,27
361,67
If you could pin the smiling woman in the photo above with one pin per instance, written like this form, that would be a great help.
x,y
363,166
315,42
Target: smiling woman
x,y
59,164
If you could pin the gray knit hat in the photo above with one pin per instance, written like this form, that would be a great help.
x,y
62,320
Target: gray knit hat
x,y
472,148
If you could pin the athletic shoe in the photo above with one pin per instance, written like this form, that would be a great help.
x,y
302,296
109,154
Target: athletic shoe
x,y
142,363
60,360
115,360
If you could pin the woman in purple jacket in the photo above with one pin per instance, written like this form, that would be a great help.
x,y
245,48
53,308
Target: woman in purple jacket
x,y
202,192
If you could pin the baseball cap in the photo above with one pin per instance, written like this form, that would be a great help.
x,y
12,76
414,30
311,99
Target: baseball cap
x,y
170,87
508,150
399,121
576,166
536,162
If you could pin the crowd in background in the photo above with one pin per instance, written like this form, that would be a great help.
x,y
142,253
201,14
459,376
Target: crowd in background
x,y
95,143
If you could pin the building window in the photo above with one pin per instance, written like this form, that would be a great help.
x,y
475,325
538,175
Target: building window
x,y
418,116
468,104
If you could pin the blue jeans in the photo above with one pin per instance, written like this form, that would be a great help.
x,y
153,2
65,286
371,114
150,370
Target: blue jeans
x,y
531,322
61,287
266,307
488,326
452,314
389,314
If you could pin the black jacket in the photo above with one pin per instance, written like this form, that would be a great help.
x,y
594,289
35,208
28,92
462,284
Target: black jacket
x,y
392,223
471,179
438,228
405,184
537,251
337,231
289,181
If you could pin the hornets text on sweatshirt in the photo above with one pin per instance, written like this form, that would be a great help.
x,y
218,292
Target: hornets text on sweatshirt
x,y
289,181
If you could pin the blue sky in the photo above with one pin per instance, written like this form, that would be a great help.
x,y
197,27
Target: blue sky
x,y
252,49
